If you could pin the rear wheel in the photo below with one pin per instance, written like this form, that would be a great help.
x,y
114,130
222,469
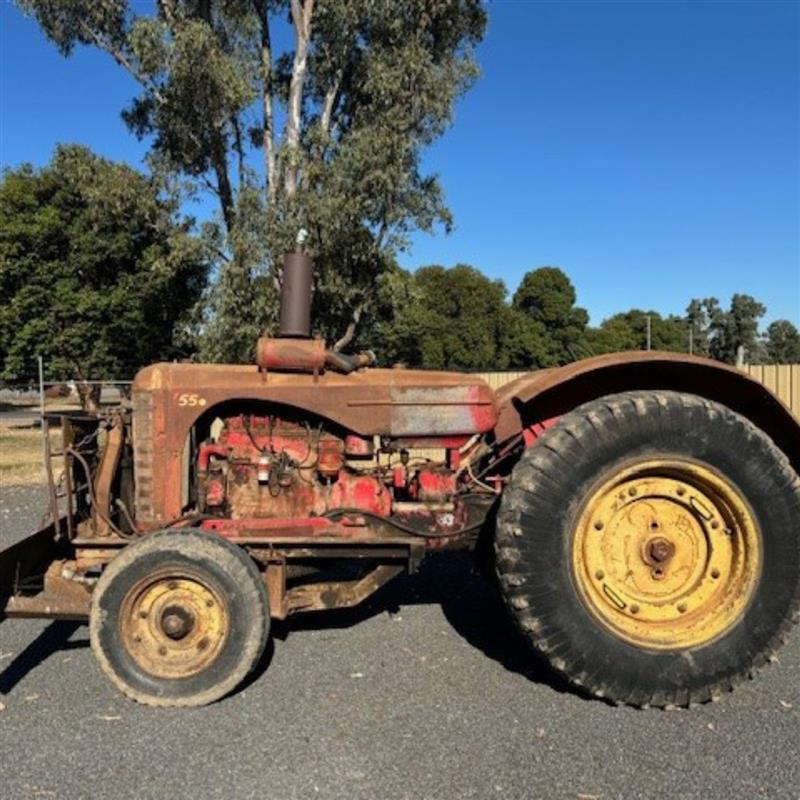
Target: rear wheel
x,y
179,619
647,547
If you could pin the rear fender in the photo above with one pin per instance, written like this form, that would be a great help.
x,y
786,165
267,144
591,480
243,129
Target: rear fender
x,y
542,396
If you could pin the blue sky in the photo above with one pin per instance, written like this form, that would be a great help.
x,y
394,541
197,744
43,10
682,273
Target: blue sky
x,y
650,149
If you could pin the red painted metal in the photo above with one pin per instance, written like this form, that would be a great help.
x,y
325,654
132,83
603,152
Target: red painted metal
x,y
435,485
535,430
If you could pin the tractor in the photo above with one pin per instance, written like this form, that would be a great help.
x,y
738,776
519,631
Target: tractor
x,y
638,512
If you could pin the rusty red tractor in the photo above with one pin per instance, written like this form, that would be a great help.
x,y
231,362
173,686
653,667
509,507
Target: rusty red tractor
x,y
641,512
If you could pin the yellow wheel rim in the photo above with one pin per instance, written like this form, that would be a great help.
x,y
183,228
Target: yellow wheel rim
x,y
666,554
173,625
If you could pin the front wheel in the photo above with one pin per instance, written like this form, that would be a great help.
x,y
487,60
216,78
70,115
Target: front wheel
x,y
647,546
179,618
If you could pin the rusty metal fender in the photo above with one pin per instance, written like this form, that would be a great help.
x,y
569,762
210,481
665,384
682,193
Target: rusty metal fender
x,y
549,393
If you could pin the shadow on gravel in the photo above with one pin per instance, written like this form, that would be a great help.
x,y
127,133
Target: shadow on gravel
x,y
468,601
53,639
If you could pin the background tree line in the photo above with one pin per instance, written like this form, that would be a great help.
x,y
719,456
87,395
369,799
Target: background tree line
x,y
100,275
288,114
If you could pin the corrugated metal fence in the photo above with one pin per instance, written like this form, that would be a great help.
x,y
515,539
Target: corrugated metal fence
x,y
783,379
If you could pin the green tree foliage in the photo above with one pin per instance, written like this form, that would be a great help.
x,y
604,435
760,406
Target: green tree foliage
x,y
450,319
783,343
720,333
337,125
628,331
546,298
97,275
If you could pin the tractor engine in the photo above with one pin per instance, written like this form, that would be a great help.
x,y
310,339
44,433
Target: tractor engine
x,y
268,466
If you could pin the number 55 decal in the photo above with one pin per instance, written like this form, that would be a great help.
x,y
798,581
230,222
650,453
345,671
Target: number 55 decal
x,y
191,400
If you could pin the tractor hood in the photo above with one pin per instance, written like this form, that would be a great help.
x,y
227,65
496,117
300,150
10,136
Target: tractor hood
x,y
384,402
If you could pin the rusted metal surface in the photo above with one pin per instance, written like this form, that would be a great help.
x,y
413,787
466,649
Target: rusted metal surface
x,y
275,580
390,403
25,563
47,606
548,393
294,355
31,581
339,594
106,472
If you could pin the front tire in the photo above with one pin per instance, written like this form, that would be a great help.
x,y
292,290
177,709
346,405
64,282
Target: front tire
x,y
179,618
647,547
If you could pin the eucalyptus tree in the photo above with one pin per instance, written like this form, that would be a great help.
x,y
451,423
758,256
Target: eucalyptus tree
x,y
291,113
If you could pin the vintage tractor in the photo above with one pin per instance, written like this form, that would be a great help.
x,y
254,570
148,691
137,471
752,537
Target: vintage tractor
x,y
643,510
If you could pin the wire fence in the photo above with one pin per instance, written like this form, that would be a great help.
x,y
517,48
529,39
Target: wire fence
x,y
782,379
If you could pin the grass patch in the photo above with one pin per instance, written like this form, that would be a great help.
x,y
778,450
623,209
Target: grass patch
x,y
21,455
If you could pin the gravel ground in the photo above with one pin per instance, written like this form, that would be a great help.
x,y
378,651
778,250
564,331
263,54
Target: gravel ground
x,y
423,693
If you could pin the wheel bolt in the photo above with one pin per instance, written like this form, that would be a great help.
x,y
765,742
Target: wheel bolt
x,y
209,603
632,491
599,574
162,651
202,644
172,585
634,609
682,607
715,573
681,491
143,614
714,524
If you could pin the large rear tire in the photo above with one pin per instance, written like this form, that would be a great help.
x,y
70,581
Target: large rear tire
x,y
179,618
647,547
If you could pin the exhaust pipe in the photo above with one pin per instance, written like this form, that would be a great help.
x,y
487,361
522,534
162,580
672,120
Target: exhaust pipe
x,y
295,319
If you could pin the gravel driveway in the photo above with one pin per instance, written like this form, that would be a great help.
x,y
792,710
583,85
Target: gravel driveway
x,y
422,693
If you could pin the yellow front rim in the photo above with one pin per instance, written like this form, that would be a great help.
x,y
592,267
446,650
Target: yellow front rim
x,y
173,624
666,554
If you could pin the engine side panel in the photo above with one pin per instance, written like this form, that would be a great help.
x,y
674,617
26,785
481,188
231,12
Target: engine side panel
x,y
170,399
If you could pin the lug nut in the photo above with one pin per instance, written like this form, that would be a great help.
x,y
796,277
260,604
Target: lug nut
x,y
599,574
682,607
209,603
634,609
598,526
143,614
715,573
632,491
162,651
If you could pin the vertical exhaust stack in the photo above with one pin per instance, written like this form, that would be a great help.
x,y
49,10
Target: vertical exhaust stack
x,y
293,350
295,319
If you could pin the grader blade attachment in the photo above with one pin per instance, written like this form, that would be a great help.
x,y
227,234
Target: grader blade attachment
x,y
30,584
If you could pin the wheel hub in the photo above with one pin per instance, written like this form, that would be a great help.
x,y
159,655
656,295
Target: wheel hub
x,y
173,626
177,622
666,554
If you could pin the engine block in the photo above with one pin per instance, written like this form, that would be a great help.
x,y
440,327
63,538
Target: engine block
x,y
267,466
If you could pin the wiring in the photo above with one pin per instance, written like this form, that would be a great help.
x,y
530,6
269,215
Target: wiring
x,y
336,512
82,461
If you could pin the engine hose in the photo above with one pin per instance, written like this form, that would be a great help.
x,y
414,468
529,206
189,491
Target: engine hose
x,y
337,512
90,486
347,364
